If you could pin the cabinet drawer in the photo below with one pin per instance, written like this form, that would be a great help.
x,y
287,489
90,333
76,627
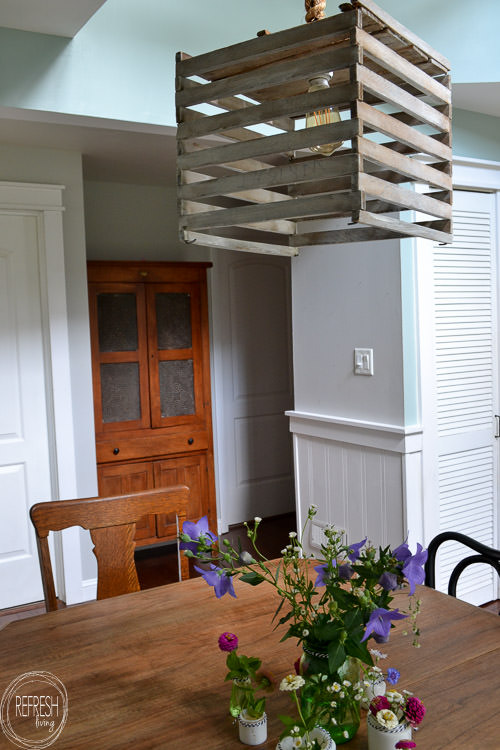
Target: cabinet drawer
x,y
125,449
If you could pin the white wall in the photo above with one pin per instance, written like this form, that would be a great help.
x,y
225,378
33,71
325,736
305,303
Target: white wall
x,y
135,222
355,458
348,296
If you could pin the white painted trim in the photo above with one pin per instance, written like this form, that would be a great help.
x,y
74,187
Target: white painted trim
x,y
24,196
392,438
468,174
47,202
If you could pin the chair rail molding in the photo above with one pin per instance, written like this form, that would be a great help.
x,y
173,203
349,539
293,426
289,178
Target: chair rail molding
x,y
365,477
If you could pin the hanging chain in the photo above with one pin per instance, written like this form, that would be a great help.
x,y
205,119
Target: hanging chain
x,y
315,10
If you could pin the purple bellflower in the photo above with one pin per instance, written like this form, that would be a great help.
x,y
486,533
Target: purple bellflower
x,y
323,574
354,550
219,579
380,624
388,581
197,531
345,571
413,569
402,553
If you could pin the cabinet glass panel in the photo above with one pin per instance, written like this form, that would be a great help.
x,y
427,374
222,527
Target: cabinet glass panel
x,y
176,387
173,319
121,398
117,322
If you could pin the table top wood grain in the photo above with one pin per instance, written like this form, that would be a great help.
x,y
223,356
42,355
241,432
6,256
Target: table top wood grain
x,y
144,670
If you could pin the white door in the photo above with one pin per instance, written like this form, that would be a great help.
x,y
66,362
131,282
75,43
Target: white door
x,y
253,379
463,494
24,448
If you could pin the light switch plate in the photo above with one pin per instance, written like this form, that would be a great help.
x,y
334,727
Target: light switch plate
x,y
363,361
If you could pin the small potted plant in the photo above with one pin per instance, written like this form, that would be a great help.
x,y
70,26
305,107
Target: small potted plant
x,y
247,678
316,699
375,679
391,719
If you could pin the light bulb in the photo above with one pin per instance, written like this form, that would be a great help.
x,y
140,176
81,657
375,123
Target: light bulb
x,y
323,116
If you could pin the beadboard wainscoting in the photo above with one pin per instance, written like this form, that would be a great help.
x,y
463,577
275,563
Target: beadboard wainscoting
x,y
364,477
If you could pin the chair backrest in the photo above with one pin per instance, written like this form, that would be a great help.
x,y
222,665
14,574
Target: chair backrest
x,y
487,555
111,522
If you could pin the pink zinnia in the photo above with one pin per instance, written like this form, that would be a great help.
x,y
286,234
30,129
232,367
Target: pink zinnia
x,y
403,744
379,703
228,642
414,711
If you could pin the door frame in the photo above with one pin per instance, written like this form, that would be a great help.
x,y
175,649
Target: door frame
x,y
475,175
46,203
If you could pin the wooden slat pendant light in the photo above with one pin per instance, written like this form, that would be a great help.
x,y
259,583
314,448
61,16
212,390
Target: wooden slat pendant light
x,y
248,175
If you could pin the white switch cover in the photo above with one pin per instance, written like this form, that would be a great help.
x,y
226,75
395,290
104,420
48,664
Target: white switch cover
x,y
363,361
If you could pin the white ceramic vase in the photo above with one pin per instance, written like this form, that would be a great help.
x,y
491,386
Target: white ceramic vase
x,y
252,731
381,738
318,733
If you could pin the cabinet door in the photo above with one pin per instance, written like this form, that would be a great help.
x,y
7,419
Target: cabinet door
x,y
175,354
117,479
191,471
119,356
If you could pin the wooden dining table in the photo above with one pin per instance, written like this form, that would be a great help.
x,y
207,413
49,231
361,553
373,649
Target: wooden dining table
x,y
144,670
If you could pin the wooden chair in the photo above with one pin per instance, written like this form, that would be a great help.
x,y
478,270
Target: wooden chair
x,y
487,555
111,522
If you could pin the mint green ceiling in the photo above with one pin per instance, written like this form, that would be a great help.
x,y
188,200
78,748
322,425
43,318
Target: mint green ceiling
x,y
121,64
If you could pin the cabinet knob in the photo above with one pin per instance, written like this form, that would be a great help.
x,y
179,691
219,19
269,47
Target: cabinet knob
x,y
190,441
116,451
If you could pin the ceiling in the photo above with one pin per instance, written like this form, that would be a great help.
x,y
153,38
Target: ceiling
x,y
477,97
60,17
112,150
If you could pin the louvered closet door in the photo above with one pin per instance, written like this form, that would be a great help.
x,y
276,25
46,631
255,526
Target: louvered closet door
x,y
466,387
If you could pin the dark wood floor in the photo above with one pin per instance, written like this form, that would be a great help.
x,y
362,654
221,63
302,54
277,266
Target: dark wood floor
x,y
157,566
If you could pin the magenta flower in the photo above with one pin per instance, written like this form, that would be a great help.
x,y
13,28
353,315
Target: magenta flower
x,y
413,569
198,531
404,744
379,703
414,711
380,623
219,578
323,574
354,550
228,642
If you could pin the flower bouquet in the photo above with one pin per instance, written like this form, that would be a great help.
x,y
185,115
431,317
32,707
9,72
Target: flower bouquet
x,y
247,678
333,605
391,718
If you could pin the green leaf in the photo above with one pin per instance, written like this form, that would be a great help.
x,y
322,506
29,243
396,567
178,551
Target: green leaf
x,y
328,632
288,721
336,655
278,610
353,619
252,578
359,650
277,574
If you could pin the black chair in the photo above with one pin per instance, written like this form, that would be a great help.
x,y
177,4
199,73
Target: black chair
x,y
485,554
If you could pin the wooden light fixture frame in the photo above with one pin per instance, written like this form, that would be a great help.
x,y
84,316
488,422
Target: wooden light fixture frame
x,y
245,187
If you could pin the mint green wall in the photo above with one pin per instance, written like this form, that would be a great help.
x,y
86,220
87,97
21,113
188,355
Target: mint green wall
x,y
466,33
475,135
121,64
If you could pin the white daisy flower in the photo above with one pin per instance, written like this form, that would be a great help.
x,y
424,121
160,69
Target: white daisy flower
x,y
292,682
